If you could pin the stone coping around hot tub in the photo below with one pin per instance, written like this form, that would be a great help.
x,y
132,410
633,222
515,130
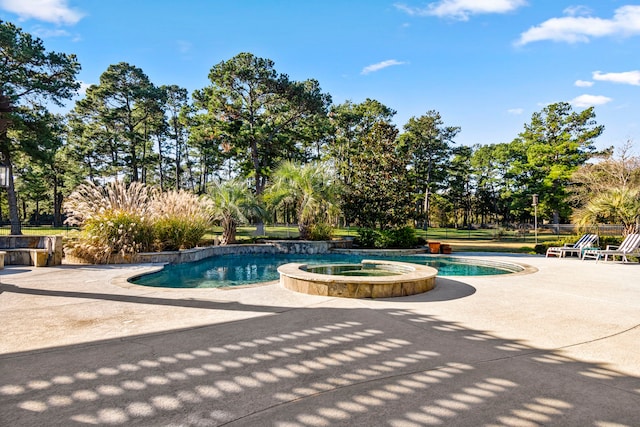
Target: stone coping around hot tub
x,y
415,280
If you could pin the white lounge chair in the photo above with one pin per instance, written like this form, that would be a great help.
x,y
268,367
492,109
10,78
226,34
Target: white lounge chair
x,y
586,241
629,246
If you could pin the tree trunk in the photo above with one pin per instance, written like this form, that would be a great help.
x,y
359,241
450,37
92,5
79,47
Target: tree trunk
x,y
11,192
305,230
229,227
57,208
160,161
426,207
135,176
14,217
260,182
178,152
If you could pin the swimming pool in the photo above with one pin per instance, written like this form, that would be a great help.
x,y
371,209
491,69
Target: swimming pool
x,y
237,270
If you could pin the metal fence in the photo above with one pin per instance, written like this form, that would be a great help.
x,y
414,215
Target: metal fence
x,y
476,231
523,232
571,229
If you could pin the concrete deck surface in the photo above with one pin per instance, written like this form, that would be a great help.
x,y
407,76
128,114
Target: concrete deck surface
x,y
559,347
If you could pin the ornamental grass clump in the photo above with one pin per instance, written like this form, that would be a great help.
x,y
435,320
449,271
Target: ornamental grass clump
x,y
180,220
114,220
120,220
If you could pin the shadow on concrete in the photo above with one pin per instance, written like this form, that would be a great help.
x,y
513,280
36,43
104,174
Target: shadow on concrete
x,y
135,299
445,290
314,367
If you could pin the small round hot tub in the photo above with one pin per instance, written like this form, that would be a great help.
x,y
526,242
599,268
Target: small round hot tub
x,y
364,269
369,279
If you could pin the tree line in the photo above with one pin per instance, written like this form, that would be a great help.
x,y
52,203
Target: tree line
x,y
248,121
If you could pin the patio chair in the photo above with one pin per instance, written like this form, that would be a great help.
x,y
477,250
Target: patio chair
x,y
586,241
629,246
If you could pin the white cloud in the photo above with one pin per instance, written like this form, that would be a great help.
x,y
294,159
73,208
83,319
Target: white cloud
x,y
583,83
590,100
627,77
380,65
462,9
44,33
515,111
577,11
574,29
83,88
56,11
184,46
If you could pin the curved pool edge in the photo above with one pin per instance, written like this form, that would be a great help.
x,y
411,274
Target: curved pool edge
x,y
499,264
124,280
415,279
142,269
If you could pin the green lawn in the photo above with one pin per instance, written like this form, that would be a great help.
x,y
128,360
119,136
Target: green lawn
x,y
481,240
43,230
484,240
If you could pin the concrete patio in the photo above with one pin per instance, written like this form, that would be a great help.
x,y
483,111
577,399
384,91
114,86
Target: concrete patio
x,y
558,347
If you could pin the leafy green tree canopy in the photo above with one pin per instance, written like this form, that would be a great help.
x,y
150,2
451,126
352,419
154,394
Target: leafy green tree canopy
x,y
557,141
27,71
258,112
117,117
379,195
29,76
351,123
428,143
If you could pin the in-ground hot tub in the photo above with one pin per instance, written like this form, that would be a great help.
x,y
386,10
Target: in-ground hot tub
x,y
370,279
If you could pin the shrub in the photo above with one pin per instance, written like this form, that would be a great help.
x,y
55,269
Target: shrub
x,y
181,219
610,240
367,237
321,231
402,237
123,220
114,219
111,233
541,248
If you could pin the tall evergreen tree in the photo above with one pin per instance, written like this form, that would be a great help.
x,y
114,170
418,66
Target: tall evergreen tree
x,y
29,76
379,194
460,185
258,112
117,118
176,105
428,142
351,124
557,142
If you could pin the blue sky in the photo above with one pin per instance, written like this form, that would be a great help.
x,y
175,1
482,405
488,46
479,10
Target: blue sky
x,y
485,65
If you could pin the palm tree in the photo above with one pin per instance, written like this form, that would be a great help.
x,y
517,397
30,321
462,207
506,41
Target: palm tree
x,y
233,203
310,188
619,205
610,191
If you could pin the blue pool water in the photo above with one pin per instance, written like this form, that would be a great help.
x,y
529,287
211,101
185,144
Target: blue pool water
x,y
236,270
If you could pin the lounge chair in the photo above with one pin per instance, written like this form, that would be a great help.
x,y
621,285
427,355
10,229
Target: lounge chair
x,y
586,241
629,246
